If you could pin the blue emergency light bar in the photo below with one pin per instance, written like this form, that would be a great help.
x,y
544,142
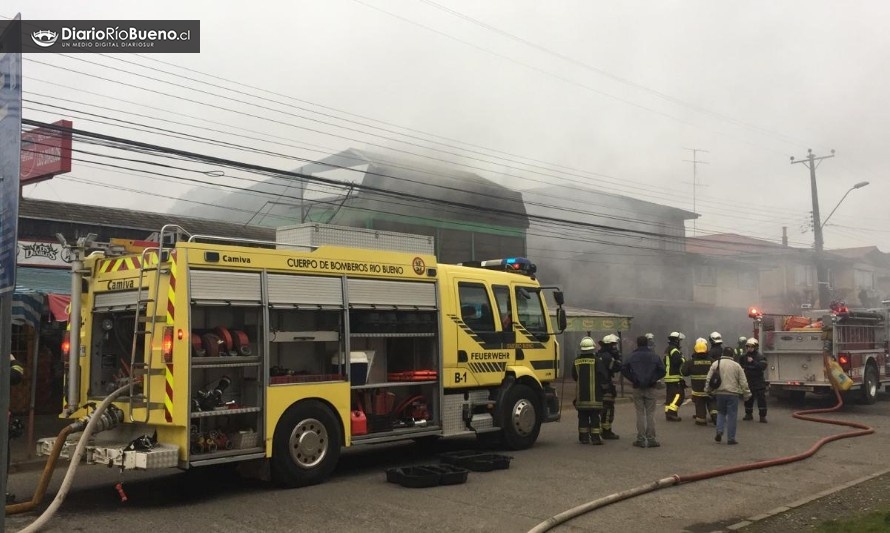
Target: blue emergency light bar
x,y
520,265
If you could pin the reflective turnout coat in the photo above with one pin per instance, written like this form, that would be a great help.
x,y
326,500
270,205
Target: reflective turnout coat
x,y
697,369
591,381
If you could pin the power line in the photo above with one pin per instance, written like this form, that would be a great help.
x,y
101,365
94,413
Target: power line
x,y
130,144
283,155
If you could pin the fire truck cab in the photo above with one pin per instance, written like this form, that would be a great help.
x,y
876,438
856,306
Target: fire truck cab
x,y
286,353
794,347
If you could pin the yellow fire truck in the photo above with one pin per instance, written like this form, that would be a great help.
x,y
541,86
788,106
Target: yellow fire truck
x,y
234,351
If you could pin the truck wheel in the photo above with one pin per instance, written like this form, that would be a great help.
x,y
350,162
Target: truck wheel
x,y
869,385
306,445
521,417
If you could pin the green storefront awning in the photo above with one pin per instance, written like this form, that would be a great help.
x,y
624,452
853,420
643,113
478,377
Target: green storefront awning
x,y
45,280
584,320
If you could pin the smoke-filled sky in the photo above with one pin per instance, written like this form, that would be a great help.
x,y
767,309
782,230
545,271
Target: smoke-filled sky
x,y
606,95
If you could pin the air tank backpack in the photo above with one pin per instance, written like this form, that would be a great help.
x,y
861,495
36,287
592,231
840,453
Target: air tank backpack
x,y
715,380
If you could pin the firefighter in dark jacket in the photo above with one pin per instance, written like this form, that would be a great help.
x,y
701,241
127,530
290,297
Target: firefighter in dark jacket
x,y
740,350
16,373
697,370
754,364
588,392
716,351
609,359
675,385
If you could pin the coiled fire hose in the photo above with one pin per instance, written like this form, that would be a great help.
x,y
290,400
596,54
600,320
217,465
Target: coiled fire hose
x,y
94,421
677,479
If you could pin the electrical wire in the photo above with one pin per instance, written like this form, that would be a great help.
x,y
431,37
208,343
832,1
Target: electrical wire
x,y
93,137
180,135
772,212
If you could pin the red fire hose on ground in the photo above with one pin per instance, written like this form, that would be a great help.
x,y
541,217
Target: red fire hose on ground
x,y
677,479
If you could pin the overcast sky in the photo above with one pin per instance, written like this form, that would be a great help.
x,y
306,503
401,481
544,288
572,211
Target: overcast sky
x,y
601,94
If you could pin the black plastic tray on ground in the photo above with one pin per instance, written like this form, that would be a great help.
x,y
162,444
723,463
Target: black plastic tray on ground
x,y
477,461
449,474
415,477
422,476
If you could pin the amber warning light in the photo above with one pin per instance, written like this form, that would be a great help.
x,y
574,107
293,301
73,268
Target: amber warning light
x,y
66,346
753,312
167,346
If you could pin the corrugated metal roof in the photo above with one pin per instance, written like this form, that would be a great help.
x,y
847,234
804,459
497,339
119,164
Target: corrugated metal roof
x,y
138,220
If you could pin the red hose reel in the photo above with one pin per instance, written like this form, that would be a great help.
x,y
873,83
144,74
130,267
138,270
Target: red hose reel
x,y
220,342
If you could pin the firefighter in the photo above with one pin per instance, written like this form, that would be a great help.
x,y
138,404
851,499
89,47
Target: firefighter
x,y
650,339
716,350
16,373
588,393
754,364
697,370
740,349
675,385
609,359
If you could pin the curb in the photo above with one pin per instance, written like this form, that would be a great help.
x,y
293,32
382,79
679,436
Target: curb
x,y
806,500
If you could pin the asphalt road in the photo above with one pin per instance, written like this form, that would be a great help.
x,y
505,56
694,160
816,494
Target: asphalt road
x,y
557,474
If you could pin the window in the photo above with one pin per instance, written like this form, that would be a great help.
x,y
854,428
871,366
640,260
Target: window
x,y
530,310
748,280
804,276
455,246
705,275
475,307
505,310
864,279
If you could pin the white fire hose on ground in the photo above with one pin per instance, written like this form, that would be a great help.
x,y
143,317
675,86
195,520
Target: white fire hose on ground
x,y
94,420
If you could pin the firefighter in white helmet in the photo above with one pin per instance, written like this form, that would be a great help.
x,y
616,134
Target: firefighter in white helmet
x,y
754,365
609,358
675,385
588,392
650,338
716,350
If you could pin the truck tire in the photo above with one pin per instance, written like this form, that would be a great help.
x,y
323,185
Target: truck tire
x,y
521,417
869,393
306,445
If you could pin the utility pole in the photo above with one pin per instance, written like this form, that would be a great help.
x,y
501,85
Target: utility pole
x,y
811,162
695,163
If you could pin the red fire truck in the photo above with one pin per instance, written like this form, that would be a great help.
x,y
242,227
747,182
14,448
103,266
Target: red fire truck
x,y
794,346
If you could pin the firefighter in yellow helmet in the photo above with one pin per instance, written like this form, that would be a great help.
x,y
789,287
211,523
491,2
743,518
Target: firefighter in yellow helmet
x,y
609,360
675,385
697,369
588,392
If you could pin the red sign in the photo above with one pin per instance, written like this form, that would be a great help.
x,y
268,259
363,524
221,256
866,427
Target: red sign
x,y
45,153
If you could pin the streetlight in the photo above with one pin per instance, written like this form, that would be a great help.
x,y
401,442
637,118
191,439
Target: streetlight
x,y
859,185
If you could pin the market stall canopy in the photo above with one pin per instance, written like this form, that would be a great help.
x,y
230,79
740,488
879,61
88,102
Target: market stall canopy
x,y
27,307
584,320
39,288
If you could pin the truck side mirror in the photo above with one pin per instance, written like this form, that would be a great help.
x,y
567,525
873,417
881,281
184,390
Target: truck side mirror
x,y
561,320
559,297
